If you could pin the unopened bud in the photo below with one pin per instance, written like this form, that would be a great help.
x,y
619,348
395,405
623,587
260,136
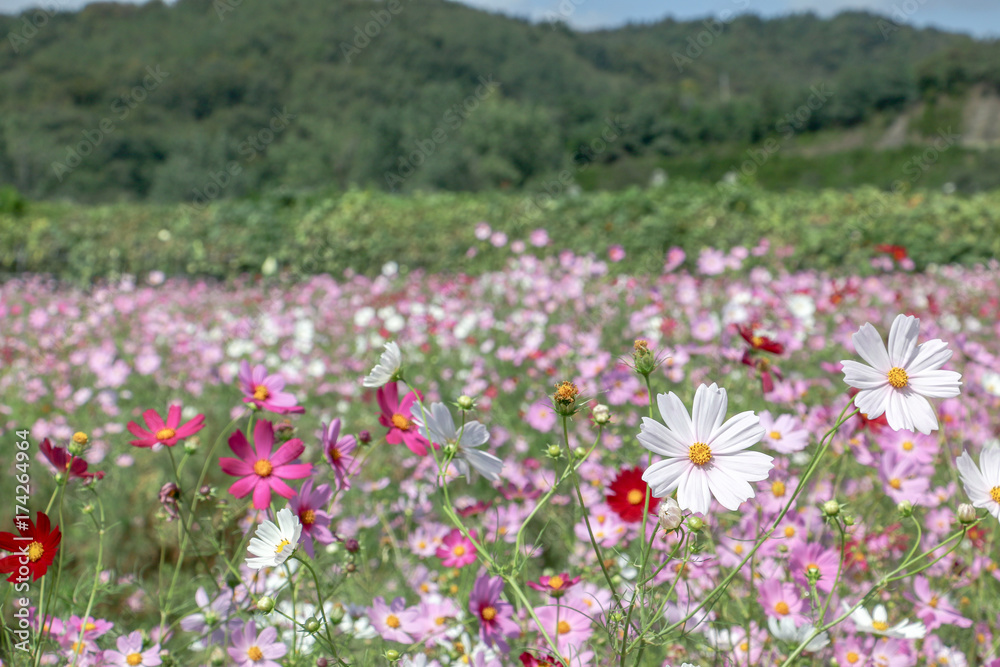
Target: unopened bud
x,y
87,509
80,438
392,655
695,523
905,509
966,513
364,437
831,508
322,662
643,357
554,451
191,446
848,520
352,545
580,452
813,574
602,415
218,657
265,604
337,615
669,514
466,402
311,625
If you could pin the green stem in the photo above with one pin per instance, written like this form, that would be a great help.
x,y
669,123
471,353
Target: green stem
x,y
97,577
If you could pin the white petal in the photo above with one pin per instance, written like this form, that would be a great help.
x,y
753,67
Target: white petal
x,y
861,376
751,466
873,402
728,489
740,432
976,486
708,412
936,384
903,340
486,464
664,476
693,492
921,412
880,614
676,416
656,437
474,434
869,345
931,355
989,463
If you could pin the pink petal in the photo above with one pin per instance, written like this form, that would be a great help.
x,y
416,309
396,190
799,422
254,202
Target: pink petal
x,y
242,487
173,417
293,471
288,452
262,496
235,467
263,438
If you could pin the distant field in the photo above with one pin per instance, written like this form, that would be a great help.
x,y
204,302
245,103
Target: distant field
x,y
361,230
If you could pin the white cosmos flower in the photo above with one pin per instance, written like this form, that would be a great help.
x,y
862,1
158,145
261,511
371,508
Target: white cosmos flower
x,y
705,456
877,623
438,426
387,367
272,544
982,483
785,630
898,382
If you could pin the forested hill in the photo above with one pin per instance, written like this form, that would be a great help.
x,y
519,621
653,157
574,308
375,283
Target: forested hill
x,y
159,101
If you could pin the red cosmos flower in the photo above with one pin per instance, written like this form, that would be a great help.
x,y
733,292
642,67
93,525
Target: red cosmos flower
x,y
65,462
473,509
529,660
898,252
765,367
396,417
556,585
627,495
34,548
167,433
260,470
762,343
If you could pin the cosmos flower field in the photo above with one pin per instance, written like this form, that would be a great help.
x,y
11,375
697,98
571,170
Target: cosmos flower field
x,y
431,469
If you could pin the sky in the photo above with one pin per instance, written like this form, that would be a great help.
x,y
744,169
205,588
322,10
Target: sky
x,y
976,17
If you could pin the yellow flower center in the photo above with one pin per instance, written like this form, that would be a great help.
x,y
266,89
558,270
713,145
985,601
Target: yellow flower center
x,y
35,551
563,627
89,626
255,654
335,454
745,646
812,566
757,341
852,657
263,468
401,422
898,377
80,438
134,659
635,497
566,392
995,494
459,550
261,393
881,626
488,613
774,435
907,445
165,434
392,621
895,483
699,453
308,517
782,608
556,582
778,488
933,602
738,549
281,546
789,531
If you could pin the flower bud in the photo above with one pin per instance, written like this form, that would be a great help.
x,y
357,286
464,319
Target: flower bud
x,y
848,520
554,451
813,574
905,509
364,437
322,662
265,604
61,478
337,615
643,357
580,452
564,400
392,655
352,545
191,446
602,415
449,450
87,509
695,523
669,514
831,508
80,438
466,402
966,513
311,625
218,657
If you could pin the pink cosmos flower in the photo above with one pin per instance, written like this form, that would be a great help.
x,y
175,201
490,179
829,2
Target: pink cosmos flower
x,y
252,650
935,609
260,470
309,504
167,433
556,585
903,479
568,627
781,600
616,253
266,391
495,615
130,653
396,417
394,622
338,452
783,433
457,550
805,556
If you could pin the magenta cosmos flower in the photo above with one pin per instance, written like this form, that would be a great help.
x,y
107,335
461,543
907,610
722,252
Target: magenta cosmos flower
x,y
309,504
338,452
130,653
167,433
396,417
456,549
261,470
394,622
252,650
66,463
495,622
266,391
556,585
